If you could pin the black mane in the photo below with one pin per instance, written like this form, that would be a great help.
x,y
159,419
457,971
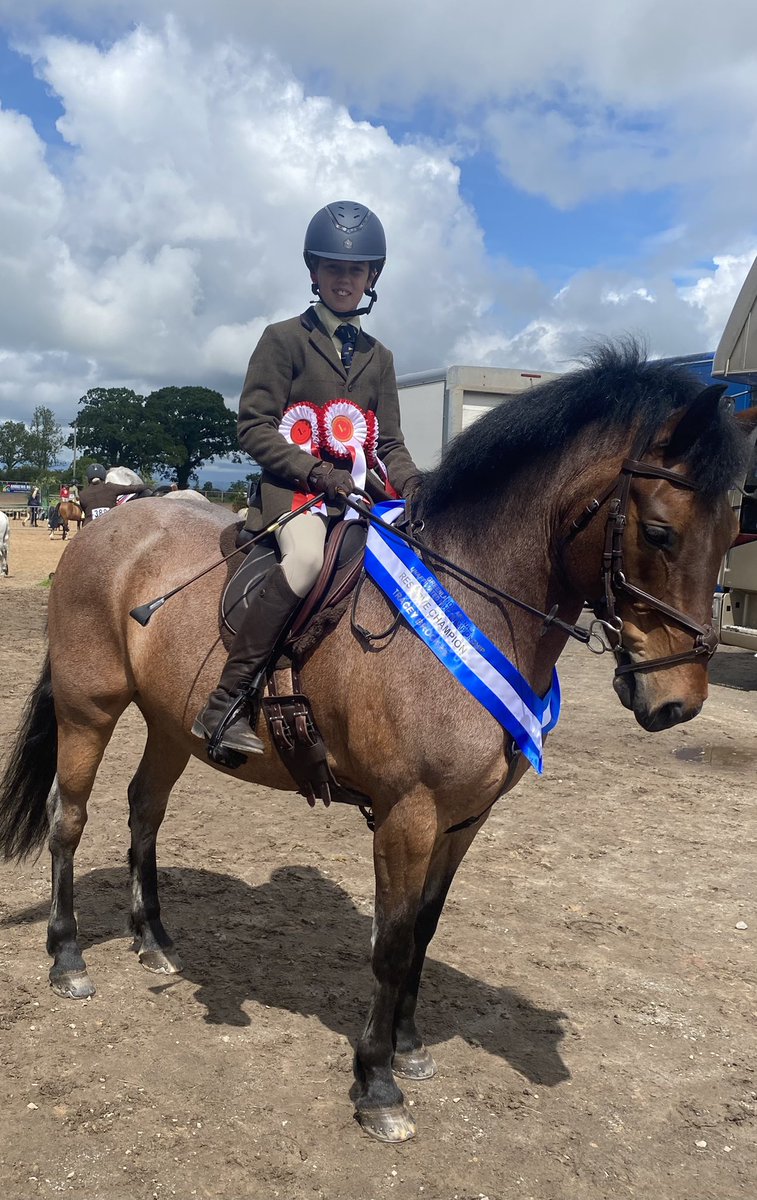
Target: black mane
x,y
619,390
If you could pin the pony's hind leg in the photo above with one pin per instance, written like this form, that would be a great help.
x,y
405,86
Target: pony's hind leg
x,y
162,764
80,750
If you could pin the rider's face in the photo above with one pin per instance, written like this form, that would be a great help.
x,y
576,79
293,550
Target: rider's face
x,y
342,285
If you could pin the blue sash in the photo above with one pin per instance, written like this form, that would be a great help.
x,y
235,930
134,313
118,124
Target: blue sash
x,y
465,651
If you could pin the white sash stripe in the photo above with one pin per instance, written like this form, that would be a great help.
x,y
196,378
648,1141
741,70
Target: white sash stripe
x,y
440,622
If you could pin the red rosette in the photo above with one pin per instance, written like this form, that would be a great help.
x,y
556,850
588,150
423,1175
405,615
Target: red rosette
x,y
299,425
342,424
371,441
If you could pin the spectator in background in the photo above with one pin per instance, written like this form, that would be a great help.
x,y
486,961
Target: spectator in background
x,y
35,503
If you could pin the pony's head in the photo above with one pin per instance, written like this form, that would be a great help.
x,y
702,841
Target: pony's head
x,y
641,543
662,528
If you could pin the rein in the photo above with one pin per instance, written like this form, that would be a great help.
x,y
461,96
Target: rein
x,y
613,575
578,632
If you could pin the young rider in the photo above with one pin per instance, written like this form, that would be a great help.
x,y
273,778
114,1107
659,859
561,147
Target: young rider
x,y
102,494
301,365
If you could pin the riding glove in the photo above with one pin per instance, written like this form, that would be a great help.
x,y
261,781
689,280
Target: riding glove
x,y
325,477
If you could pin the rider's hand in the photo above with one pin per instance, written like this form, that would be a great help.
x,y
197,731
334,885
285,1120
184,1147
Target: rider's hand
x,y
325,477
411,486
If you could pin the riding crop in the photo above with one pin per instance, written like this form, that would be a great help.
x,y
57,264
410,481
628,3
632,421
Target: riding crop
x,y
143,612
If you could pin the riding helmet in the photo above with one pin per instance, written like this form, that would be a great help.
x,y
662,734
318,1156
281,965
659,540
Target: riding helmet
x,y
346,232
95,471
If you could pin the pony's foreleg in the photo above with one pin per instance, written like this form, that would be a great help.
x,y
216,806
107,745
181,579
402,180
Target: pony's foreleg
x,y
80,750
162,764
412,1059
402,848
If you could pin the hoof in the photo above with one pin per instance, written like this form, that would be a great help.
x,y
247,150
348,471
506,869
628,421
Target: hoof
x,y
164,962
73,985
416,1064
387,1124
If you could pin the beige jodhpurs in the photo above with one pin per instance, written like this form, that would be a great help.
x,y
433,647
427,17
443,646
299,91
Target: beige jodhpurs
x,y
302,542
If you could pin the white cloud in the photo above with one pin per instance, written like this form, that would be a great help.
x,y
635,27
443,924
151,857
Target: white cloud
x,y
634,86
155,250
178,223
713,295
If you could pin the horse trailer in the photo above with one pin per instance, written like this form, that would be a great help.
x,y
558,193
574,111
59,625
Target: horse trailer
x,y
437,405
735,362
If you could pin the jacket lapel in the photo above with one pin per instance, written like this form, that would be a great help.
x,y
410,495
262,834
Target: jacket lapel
x,y
321,342
364,350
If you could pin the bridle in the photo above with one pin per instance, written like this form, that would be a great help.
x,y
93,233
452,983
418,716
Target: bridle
x,y
614,580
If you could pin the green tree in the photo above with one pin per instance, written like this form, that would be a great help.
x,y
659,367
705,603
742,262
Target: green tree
x,y
236,492
111,427
196,427
45,439
14,444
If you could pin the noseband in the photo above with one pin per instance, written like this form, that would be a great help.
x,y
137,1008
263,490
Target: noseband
x,y
614,579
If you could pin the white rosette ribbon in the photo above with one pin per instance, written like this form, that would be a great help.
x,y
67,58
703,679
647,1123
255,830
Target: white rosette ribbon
x,y
344,433
300,427
372,458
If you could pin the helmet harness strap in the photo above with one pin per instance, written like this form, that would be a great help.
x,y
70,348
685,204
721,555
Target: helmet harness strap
x,y
356,312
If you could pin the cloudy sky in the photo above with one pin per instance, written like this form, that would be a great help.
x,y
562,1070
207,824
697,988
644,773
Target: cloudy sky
x,y
544,173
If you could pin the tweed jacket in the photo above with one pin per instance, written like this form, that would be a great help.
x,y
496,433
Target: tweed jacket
x,y
99,497
296,361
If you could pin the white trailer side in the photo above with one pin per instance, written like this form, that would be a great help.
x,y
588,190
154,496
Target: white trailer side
x,y
437,405
736,361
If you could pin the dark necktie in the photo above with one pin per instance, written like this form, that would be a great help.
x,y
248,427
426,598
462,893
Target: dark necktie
x,y
347,335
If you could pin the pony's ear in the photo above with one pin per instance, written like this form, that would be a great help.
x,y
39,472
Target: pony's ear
x,y
684,429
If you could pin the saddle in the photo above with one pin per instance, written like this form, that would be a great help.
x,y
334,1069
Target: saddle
x,y
287,709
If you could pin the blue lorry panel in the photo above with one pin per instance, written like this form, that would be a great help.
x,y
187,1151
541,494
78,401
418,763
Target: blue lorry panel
x,y
701,365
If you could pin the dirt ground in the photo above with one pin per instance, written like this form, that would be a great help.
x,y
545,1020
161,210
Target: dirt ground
x,y
590,997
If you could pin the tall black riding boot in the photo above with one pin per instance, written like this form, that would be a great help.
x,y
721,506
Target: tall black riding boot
x,y
264,622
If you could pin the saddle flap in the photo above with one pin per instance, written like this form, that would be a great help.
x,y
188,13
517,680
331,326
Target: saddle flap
x,y
255,565
342,563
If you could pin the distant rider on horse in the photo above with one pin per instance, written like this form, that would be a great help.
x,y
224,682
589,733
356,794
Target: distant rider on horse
x,y
102,494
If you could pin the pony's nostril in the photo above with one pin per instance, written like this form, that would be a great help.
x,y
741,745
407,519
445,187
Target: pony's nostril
x,y
675,712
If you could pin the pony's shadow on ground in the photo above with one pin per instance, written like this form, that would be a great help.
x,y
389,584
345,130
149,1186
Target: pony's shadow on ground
x,y
735,669
299,943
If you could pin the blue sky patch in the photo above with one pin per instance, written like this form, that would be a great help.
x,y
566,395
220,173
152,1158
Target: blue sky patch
x,y
22,91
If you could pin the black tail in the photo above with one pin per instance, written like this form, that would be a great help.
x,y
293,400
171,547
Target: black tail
x,y
29,774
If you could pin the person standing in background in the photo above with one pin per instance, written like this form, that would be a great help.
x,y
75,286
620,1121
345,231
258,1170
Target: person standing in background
x,y
35,503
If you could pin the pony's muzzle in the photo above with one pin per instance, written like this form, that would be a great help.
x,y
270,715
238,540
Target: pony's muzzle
x,y
652,711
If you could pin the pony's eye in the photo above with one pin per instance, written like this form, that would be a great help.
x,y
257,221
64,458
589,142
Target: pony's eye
x,y
662,537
